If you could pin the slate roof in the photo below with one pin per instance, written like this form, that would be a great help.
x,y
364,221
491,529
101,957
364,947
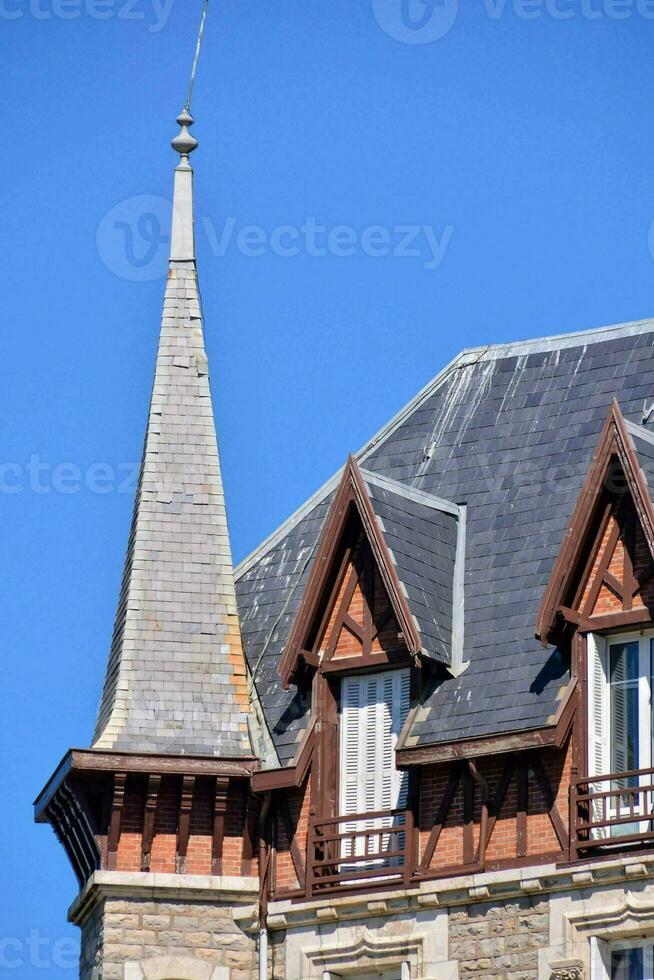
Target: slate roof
x,y
421,532
509,432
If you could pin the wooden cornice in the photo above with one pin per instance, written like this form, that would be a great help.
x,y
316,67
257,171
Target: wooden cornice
x,y
552,736
642,616
615,443
288,777
351,492
78,761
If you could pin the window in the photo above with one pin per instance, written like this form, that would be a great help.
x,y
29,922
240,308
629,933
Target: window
x,y
620,734
373,710
632,962
629,960
620,714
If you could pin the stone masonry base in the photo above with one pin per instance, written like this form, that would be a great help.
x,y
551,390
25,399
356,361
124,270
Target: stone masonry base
x,y
536,923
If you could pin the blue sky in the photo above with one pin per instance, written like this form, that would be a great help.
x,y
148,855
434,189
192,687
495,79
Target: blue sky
x,y
508,147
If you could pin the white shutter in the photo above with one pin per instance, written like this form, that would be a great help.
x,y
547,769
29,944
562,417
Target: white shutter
x,y
374,708
350,726
403,705
598,720
387,783
600,959
373,759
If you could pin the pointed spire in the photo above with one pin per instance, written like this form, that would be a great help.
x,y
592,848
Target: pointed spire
x,y
176,680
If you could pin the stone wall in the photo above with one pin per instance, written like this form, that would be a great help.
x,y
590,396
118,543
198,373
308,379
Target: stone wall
x,y
530,923
131,931
133,925
499,939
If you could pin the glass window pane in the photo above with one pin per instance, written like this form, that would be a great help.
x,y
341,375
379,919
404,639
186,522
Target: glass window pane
x,y
624,671
627,964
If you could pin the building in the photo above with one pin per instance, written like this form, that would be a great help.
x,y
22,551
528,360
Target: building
x,y
411,735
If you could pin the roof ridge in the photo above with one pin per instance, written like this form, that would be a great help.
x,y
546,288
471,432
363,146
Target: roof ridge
x,y
468,356
561,341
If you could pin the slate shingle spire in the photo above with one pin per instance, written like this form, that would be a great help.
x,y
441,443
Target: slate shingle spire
x,y
176,680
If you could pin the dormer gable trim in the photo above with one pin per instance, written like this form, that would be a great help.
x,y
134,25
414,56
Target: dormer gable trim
x,y
592,513
351,492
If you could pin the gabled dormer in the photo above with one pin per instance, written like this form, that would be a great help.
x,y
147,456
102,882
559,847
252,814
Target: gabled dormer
x,y
603,576
599,604
386,584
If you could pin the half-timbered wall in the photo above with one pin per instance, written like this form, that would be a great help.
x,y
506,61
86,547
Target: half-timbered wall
x,y
293,810
174,824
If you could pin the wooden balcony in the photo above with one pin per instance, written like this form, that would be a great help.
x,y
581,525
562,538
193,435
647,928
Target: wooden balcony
x,y
613,812
360,850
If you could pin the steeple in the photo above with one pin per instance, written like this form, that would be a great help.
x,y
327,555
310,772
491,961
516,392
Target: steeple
x,y
176,678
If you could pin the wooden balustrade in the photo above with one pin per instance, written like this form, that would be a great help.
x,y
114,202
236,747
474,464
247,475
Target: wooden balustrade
x,y
611,812
359,849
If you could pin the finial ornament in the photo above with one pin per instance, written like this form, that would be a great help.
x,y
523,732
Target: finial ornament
x,y
184,143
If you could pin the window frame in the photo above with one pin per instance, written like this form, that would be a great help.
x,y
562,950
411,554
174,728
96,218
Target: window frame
x,y
602,953
598,646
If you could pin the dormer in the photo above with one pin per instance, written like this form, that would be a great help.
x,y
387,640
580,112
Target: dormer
x,y
386,584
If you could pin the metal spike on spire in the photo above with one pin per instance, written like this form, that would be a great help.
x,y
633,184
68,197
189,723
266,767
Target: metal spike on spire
x,y
184,143
187,104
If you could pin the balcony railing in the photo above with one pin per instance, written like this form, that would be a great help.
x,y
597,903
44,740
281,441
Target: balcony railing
x,y
359,850
612,812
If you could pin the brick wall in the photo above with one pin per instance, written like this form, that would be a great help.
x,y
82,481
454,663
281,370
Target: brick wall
x,y
607,601
164,844
347,644
503,844
299,803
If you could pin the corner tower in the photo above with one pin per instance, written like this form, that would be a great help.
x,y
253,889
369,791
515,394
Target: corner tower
x,y
157,817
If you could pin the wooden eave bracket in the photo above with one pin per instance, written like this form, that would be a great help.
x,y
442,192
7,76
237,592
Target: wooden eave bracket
x,y
352,490
615,441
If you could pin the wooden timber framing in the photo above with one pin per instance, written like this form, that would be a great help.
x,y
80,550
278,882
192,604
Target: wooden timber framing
x,y
252,805
351,496
184,821
220,794
90,811
117,804
76,830
476,822
290,776
149,815
592,512
87,761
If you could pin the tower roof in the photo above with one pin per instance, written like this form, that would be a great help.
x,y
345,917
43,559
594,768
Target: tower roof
x,y
176,679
